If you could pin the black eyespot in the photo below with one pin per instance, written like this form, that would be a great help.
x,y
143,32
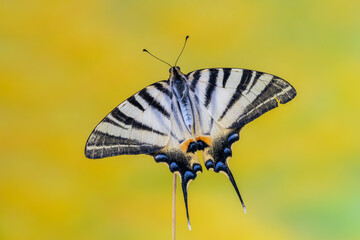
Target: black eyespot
x,y
169,70
178,68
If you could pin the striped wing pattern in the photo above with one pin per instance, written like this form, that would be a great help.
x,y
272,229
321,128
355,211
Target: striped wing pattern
x,y
227,99
223,101
149,122
139,125
234,97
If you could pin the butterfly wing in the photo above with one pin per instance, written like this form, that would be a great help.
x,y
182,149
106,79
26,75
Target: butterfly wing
x,y
149,122
226,100
139,125
235,97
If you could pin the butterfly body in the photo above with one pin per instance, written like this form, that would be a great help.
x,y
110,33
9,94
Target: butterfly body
x,y
180,89
203,110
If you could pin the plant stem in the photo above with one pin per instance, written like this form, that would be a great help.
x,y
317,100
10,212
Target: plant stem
x,y
174,208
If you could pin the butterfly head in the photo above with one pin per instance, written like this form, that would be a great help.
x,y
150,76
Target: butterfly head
x,y
176,76
176,69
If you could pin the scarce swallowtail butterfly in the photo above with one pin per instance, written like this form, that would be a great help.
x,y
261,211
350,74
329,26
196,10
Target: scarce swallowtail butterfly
x,y
203,110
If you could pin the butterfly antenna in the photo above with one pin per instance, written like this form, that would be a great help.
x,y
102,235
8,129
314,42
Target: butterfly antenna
x,y
144,50
182,50
186,203
232,180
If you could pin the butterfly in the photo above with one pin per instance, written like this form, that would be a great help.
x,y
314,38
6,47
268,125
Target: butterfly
x,y
203,110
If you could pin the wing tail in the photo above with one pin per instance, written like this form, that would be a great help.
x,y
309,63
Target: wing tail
x,y
184,189
220,166
216,154
183,162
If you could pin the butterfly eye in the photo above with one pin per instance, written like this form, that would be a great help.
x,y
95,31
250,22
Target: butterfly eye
x,y
178,68
169,70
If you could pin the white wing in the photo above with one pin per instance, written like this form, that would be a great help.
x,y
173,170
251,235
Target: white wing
x,y
139,125
225,100
233,97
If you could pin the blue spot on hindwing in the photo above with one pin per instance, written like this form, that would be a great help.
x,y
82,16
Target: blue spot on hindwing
x,y
189,175
220,166
233,138
197,167
161,158
174,167
227,152
209,164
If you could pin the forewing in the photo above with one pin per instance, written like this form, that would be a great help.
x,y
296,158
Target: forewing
x,y
139,125
234,97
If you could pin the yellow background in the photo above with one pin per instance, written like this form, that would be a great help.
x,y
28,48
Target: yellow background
x,y
65,64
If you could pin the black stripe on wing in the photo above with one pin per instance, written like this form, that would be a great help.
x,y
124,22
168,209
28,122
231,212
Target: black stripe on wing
x,y
227,72
125,130
259,92
256,78
153,102
161,88
135,103
276,89
102,145
245,79
195,78
105,139
211,87
108,120
121,117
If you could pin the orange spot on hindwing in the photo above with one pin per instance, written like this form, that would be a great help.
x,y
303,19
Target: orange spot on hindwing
x,y
185,145
205,139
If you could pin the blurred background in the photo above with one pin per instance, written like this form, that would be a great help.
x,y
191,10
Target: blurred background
x,y
65,64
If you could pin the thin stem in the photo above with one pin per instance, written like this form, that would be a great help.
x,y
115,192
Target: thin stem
x,y
174,208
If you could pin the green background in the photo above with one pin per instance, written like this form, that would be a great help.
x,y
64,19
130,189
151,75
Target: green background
x,y
65,64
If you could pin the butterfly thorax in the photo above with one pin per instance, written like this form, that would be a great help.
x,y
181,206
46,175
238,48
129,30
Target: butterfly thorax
x,y
180,89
